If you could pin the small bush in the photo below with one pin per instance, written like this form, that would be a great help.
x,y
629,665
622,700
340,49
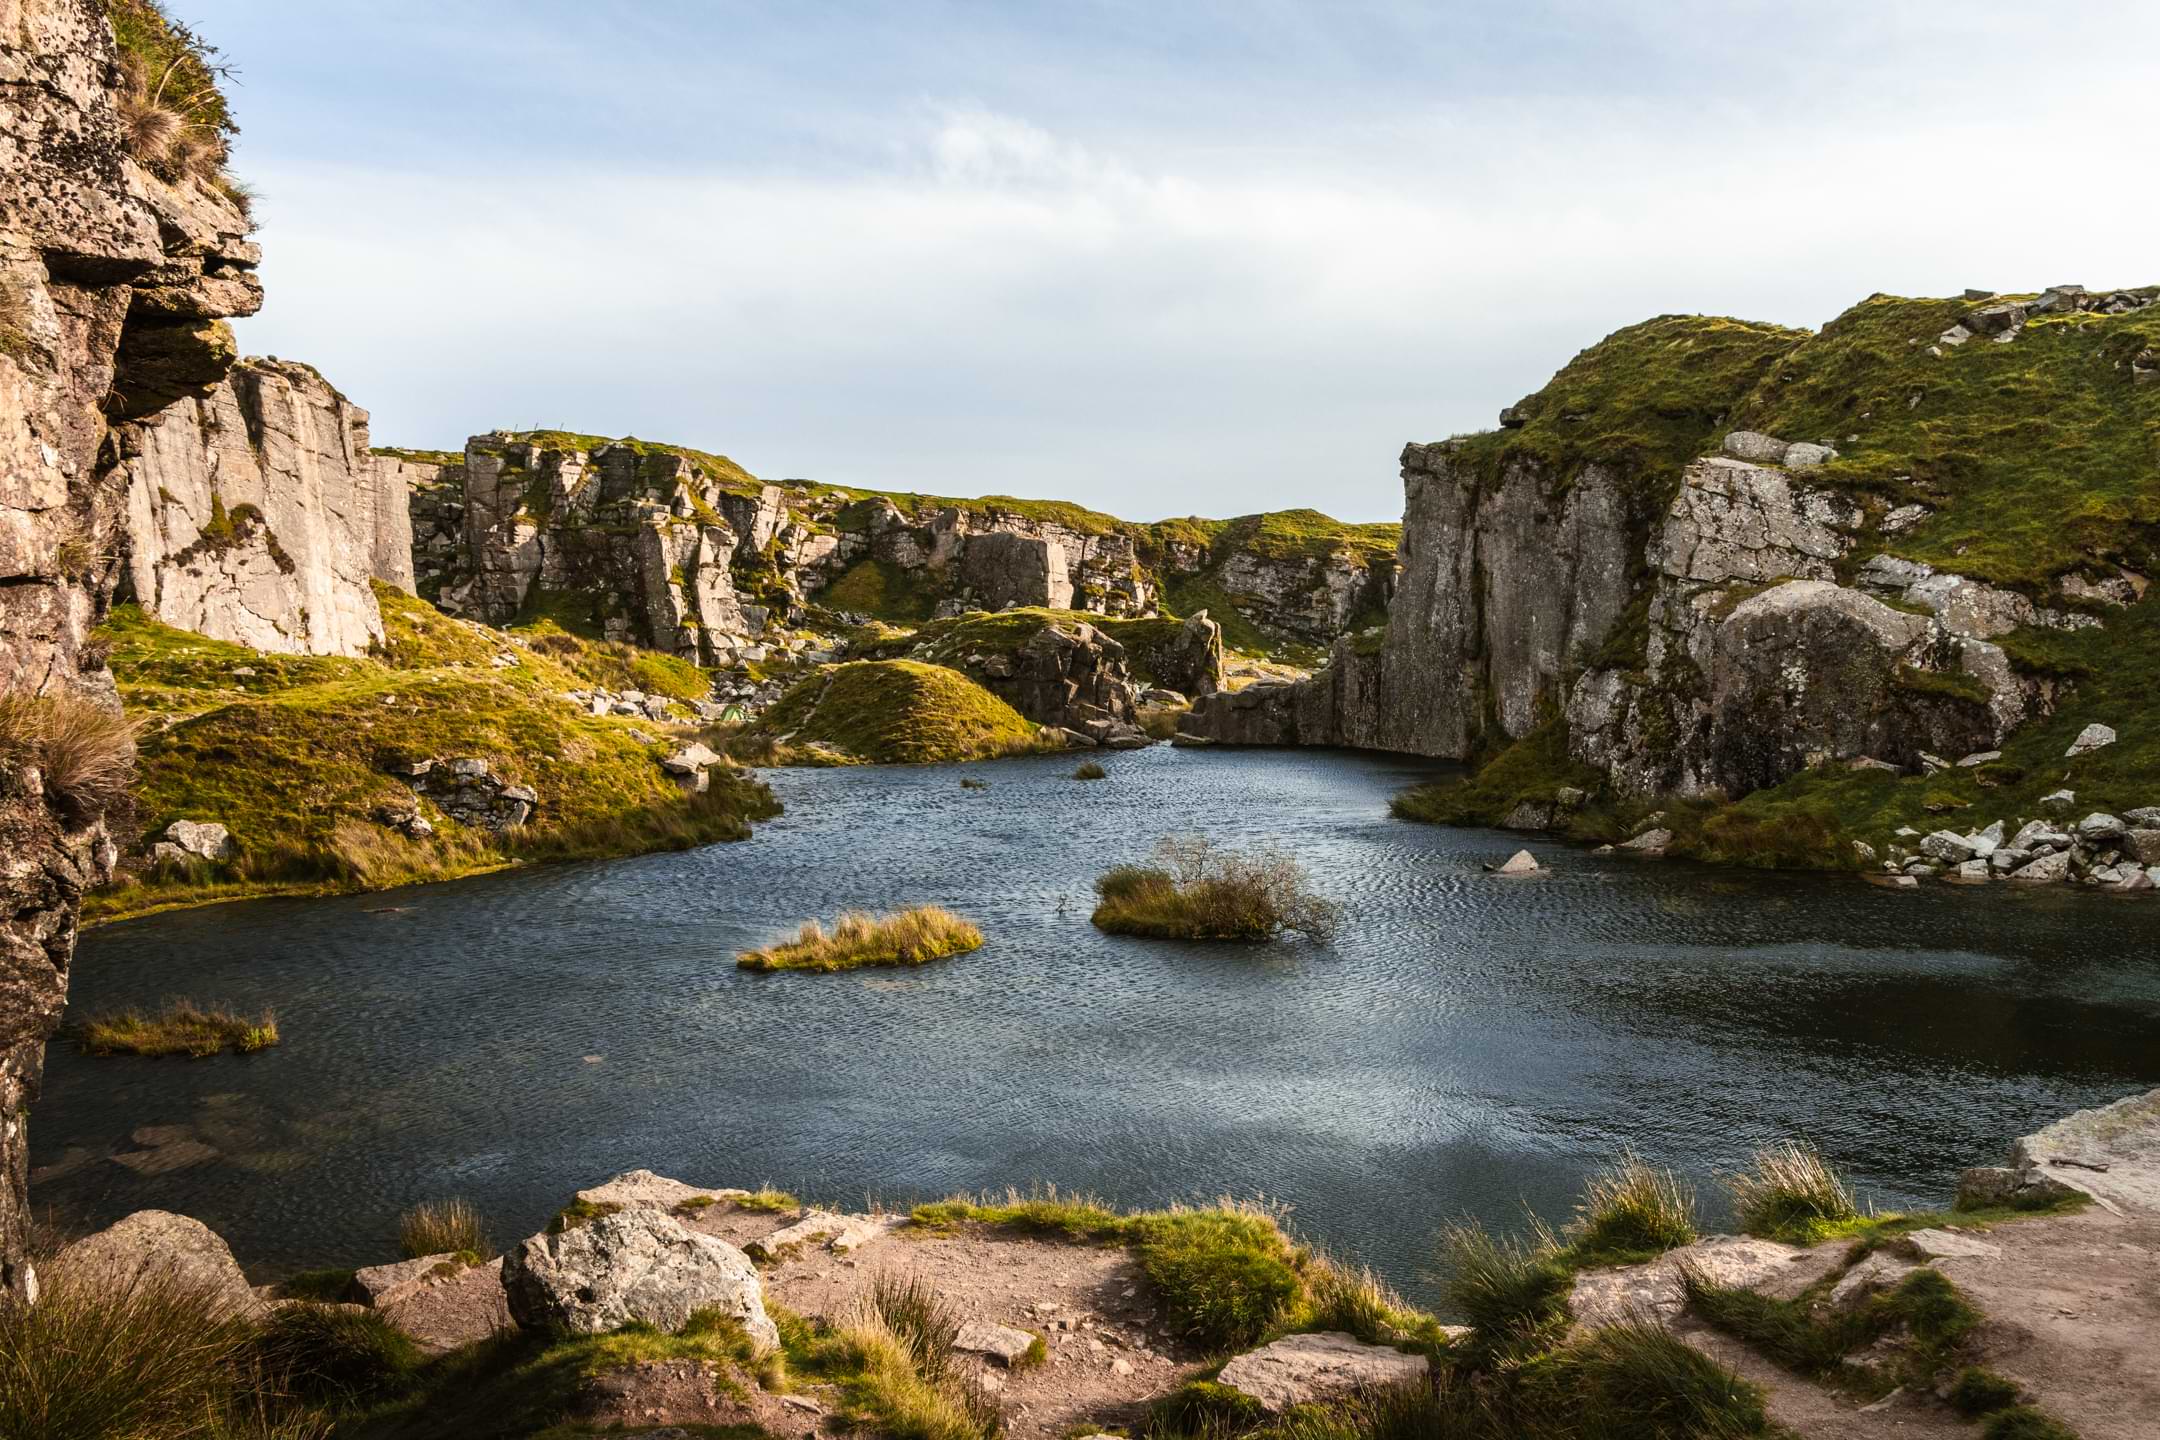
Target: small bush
x,y
1225,1276
1791,1194
182,1028
332,1354
1090,770
914,936
2023,1422
1197,892
1978,1391
1512,1292
446,1228
1630,1212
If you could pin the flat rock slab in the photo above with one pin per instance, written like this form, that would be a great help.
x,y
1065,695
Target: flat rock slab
x,y
1879,1271
382,1285
1298,1369
1000,1342
1942,1244
643,1190
449,1313
1654,1291
2111,1153
826,1230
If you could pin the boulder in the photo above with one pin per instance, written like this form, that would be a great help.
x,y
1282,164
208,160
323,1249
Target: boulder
x,y
1803,456
825,1230
2046,869
2099,827
202,839
690,759
1755,447
643,1190
1300,1369
2058,802
1937,1244
2142,846
158,1247
2039,835
1878,1272
1528,815
1522,862
1000,1342
637,1264
1947,847
1650,842
2145,817
2091,738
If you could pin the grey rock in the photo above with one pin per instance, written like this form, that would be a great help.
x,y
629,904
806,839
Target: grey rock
x,y
1650,842
1000,1342
1522,862
2092,737
1804,456
1528,815
157,1246
638,1264
1302,1369
2058,802
1878,1272
2145,817
1947,847
2143,846
1755,447
2045,869
385,1285
1969,873
204,839
2100,826
1979,757
644,1190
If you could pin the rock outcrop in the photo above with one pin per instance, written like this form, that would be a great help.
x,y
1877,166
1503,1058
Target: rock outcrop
x,y
157,1247
114,288
637,1264
258,514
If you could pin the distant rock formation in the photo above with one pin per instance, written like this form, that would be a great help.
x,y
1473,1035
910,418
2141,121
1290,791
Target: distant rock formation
x,y
258,514
114,288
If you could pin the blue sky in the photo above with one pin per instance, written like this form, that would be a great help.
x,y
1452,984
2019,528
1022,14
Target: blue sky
x,y
1163,258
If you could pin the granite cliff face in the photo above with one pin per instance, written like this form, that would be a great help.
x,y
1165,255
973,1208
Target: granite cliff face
x,y
1707,610
258,514
114,288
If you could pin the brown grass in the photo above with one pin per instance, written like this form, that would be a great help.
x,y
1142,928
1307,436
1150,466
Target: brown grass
x,y
83,752
906,937
449,1227
182,1028
1194,891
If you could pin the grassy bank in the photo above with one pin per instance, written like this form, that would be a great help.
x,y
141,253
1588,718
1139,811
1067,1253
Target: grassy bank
x,y
292,755
1194,891
884,712
906,937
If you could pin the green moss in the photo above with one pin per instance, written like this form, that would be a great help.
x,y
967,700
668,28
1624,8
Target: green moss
x,y
580,1212
1533,769
881,590
292,759
892,712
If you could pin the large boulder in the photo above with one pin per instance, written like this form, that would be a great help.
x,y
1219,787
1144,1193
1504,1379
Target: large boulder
x,y
636,1264
157,1247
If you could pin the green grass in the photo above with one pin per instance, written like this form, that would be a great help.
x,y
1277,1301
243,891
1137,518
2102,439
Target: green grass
x,y
767,1201
891,1362
914,936
292,758
1933,1319
882,591
888,712
1511,1291
1194,891
1533,769
2023,1422
332,1355
1792,1194
448,1227
1631,1212
181,1028
580,1212
1979,1391
329,1285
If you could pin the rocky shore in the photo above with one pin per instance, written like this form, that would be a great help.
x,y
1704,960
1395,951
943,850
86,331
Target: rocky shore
x,y
1064,1329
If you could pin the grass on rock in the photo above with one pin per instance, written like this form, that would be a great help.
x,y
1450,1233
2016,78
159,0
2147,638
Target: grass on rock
x,y
1195,891
1792,1194
888,712
181,1028
915,936
1631,1212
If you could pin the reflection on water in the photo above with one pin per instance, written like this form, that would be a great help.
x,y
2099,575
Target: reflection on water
x,y
1468,1045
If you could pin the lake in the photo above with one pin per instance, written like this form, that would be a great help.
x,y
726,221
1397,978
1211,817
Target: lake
x,y
1469,1045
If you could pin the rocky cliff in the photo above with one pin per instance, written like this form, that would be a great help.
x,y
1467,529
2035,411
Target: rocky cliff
x,y
258,514
115,282
687,551
1716,558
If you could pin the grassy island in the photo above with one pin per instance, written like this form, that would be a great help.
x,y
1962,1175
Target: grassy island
x,y
885,712
181,1028
1194,891
906,937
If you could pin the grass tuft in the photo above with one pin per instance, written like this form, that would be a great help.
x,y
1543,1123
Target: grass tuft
x,y
2023,1422
1197,892
1226,1276
1979,1391
765,1200
1791,1194
1090,770
580,1212
1631,1212
83,752
1512,1292
332,1354
447,1227
181,1028
913,936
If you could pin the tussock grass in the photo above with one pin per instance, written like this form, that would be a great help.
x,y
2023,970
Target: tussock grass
x,y
1511,1291
1630,1212
1934,1317
768,1201
330,1285
332,1354
173,116
1090,770
181,1028
1978,1391
84,753
2023,1422
451,1227
914,936
894,1365
1792,1194
1194,891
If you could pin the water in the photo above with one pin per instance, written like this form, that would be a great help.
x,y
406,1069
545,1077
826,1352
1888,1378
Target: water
x,y
1469,1045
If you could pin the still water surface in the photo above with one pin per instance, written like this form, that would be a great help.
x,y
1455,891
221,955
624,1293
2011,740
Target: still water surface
x,y
1468,1045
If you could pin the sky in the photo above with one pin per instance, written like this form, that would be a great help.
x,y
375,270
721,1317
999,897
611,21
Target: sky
x,y
1162,257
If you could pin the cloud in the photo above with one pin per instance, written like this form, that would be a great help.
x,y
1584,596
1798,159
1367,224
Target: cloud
x,y
1159,318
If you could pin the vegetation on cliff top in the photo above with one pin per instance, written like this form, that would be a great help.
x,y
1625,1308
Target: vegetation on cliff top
x,y
914,936
885,712
174,118
290,754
